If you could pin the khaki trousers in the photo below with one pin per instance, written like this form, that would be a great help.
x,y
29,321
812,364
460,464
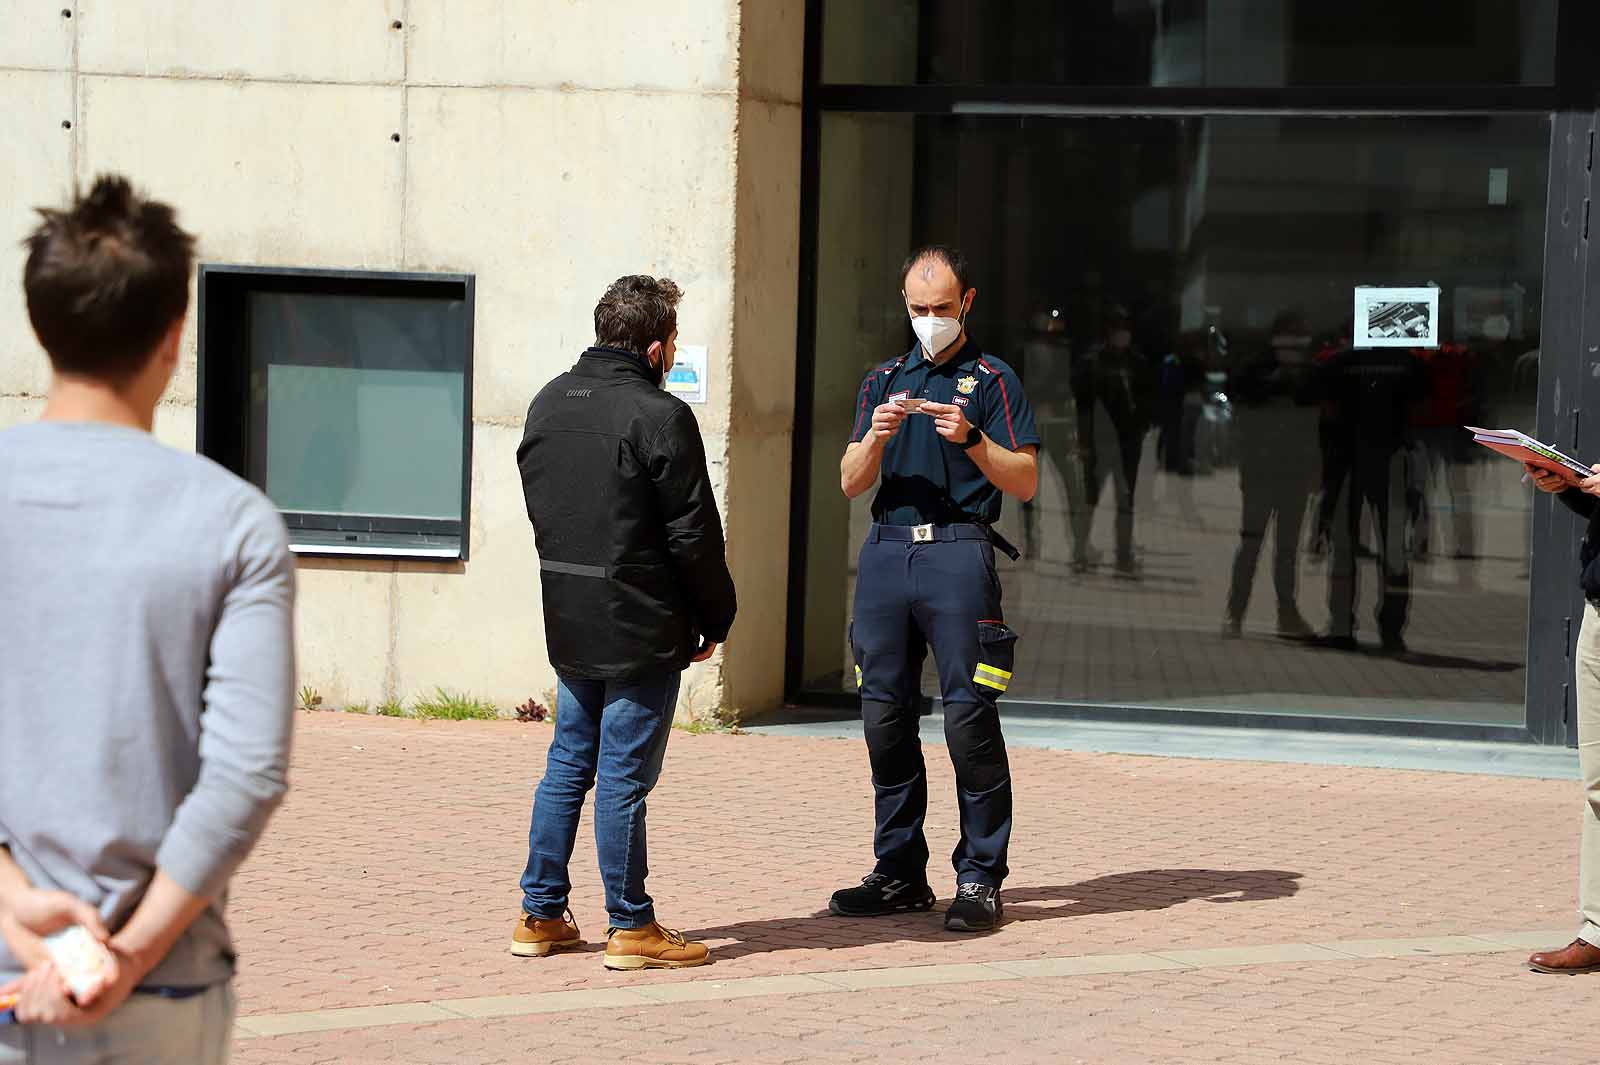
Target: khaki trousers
x,y
1588,688
145,1030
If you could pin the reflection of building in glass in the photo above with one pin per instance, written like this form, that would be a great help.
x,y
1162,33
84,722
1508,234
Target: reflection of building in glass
x,y
1405,319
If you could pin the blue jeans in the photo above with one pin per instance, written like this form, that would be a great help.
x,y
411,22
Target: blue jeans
x,y
618,730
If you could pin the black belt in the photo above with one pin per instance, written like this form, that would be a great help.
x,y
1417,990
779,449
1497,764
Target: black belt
x,y
927,534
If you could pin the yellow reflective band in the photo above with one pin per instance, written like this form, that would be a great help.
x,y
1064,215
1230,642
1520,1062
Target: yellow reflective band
x,y
997,685
993,672
858,676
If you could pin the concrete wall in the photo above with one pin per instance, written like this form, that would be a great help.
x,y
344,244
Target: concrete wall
x,y
546,147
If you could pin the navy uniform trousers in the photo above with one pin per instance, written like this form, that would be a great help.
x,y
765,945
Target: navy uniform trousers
x,y
944,593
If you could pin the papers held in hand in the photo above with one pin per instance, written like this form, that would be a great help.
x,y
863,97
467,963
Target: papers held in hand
x,y
1524,448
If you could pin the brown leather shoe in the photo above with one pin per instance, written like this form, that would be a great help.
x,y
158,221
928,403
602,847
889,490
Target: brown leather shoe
x,y
1576,957
652,947
534,937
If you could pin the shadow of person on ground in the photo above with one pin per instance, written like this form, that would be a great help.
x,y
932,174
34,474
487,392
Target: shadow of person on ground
x,y
1144,890
1427,659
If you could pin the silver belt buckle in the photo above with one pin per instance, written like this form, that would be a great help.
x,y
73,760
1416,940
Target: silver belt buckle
x,y
922,534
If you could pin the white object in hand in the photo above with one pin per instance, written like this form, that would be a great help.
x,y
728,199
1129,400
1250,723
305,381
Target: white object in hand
x,y
83,962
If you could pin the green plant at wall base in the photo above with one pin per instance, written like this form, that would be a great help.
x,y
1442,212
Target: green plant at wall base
x,y
698,726
392,708
713,721
445,705
358,708
310,698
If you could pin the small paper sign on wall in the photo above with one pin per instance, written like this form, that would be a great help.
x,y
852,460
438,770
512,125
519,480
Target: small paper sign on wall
x,y
1396,317
687,378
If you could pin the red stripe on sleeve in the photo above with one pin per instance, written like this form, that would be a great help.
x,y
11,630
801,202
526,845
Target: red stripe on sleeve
x,y
866,386
1004,398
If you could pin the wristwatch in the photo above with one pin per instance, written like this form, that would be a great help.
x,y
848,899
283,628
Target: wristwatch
x,y
974,435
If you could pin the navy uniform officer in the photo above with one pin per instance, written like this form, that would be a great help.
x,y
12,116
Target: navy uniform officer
x,y
927,576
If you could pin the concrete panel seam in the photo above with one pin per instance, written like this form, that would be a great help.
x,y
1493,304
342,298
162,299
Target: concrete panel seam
x,y
74,150
405,125
391,672
568,88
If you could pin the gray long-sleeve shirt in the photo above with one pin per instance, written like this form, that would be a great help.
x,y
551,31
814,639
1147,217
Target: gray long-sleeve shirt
x,y
146,674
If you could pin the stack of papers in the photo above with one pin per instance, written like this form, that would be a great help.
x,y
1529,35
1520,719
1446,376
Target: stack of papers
x,y
1524,448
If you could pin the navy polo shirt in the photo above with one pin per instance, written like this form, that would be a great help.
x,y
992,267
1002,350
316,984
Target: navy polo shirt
x,y
926,479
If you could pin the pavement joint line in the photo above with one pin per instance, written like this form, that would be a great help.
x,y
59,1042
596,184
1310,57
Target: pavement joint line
x,y
845,981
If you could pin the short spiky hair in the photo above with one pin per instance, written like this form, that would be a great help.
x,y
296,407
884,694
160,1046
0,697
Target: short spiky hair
x,y
105,279
636,311
938,253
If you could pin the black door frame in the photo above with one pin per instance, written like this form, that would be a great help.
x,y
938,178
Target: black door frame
x,y
1569,327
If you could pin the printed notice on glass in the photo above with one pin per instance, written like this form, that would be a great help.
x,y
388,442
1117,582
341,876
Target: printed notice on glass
x,y
687,378
1396,317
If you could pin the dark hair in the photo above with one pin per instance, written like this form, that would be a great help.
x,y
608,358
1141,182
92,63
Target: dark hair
x,y
636,311
939,253
106,279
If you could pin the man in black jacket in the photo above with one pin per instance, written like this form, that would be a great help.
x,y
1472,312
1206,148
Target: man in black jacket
x,y
1582,955
636,586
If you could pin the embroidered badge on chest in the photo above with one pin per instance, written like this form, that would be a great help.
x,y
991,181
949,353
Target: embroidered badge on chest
x,y
960,401
967,385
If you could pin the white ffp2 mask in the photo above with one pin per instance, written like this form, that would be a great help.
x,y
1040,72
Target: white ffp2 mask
x,y
936,334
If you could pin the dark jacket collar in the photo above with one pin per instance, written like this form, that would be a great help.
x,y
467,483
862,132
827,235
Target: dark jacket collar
x,y
615,362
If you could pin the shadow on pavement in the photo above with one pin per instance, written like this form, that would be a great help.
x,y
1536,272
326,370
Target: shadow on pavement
x,y
1144,890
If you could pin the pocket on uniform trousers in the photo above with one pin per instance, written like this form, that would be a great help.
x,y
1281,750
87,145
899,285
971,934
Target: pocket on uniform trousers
x,y
997,649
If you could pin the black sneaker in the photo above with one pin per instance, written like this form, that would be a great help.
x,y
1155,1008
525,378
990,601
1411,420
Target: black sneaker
x,y
879,895
976,909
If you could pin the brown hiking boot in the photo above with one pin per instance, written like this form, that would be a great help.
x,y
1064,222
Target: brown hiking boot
x,y
534,937
652,947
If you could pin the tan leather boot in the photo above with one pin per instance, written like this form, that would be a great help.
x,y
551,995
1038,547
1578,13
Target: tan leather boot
x,y
652,947
534,937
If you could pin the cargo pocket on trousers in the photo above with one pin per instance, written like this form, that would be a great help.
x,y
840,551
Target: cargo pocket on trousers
x,y
997,649
855,652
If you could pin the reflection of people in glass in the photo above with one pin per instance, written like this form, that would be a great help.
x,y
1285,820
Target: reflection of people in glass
x,y
1112,386
1181,379
1367,396
1047,369
1180,408
1277,468
1442,451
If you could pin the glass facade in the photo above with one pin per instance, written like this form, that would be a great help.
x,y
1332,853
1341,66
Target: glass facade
x,y
1242,506
1220,43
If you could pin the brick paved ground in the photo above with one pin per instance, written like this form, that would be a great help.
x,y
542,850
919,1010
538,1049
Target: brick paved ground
x,y
390,877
